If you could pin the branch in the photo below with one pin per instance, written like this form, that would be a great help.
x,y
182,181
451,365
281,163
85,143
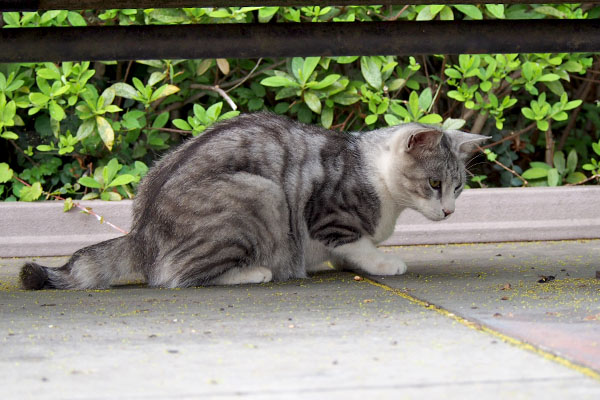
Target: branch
x,y
513,136
86,210
597,176
246,77
172,130
16,146
512,171
251,75
217,89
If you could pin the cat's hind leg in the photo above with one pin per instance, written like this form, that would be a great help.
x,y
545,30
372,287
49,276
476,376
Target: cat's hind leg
x,y
247,239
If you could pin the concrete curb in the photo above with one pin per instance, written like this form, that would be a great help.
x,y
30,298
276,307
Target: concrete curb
x,y
482,215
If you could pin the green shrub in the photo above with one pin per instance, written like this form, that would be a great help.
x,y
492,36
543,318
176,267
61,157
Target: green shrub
x,y
91,130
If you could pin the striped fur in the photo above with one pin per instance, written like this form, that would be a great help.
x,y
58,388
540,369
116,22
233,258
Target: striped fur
x,y
261,197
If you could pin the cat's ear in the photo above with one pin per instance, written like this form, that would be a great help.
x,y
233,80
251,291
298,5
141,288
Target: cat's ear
x,y
465,144
423,140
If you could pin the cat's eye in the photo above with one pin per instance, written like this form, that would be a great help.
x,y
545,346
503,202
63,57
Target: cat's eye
x,y
456,189
435,184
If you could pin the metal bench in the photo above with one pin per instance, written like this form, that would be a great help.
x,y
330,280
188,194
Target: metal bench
x,y
284,39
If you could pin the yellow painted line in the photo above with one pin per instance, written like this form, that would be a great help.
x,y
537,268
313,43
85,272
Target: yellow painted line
x,y
476,326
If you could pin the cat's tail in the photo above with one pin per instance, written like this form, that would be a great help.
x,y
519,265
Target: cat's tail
x,y
92,267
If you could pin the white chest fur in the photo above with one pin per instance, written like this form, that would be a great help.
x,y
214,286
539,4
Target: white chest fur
x,y
387,222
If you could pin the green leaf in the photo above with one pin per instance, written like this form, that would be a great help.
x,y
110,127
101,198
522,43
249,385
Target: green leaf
x,y
371,72
122,180
550,11
346,98
346,59
76,19
327,81
425,14
138,85
431,119
548,78
106,132
572,161
164,91
327,117
90,182
575,177
266,13
48,73
313,102
110,196
391,120
559,162
85,129
535,173
497,10
446,14
108,95
561,116
278,81
371,119
214,111
528,113
553,177
161,120
572,104
8,114
310,63
110,170
452,73
39,99
68,204
56,111
543,125
425,99
6,173
469,10
181,124
31,193
539,164
44,147
9,135
413,104
453,124
596,148
124,90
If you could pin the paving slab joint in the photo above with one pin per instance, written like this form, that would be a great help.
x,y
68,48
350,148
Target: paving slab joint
x,y
589,372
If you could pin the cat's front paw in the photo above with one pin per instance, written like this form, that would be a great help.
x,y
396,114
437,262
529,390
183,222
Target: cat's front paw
x,y
387,264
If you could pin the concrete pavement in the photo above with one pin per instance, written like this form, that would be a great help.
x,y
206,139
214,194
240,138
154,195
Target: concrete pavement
x,y
466,321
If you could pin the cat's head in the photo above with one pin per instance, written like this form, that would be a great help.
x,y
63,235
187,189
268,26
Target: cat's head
x,y
427,170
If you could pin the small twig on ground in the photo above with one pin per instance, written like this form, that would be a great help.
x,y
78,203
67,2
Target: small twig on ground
x,y
217,89
82,208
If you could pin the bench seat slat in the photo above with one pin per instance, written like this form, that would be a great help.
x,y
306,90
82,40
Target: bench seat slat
x,y
297,39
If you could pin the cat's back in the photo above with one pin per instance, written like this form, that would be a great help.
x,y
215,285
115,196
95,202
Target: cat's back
x,y
263,144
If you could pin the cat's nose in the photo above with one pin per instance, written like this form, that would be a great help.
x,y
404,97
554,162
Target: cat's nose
x,y
447,212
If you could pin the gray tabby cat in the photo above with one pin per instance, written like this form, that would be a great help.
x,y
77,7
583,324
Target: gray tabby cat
x,y
260,198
